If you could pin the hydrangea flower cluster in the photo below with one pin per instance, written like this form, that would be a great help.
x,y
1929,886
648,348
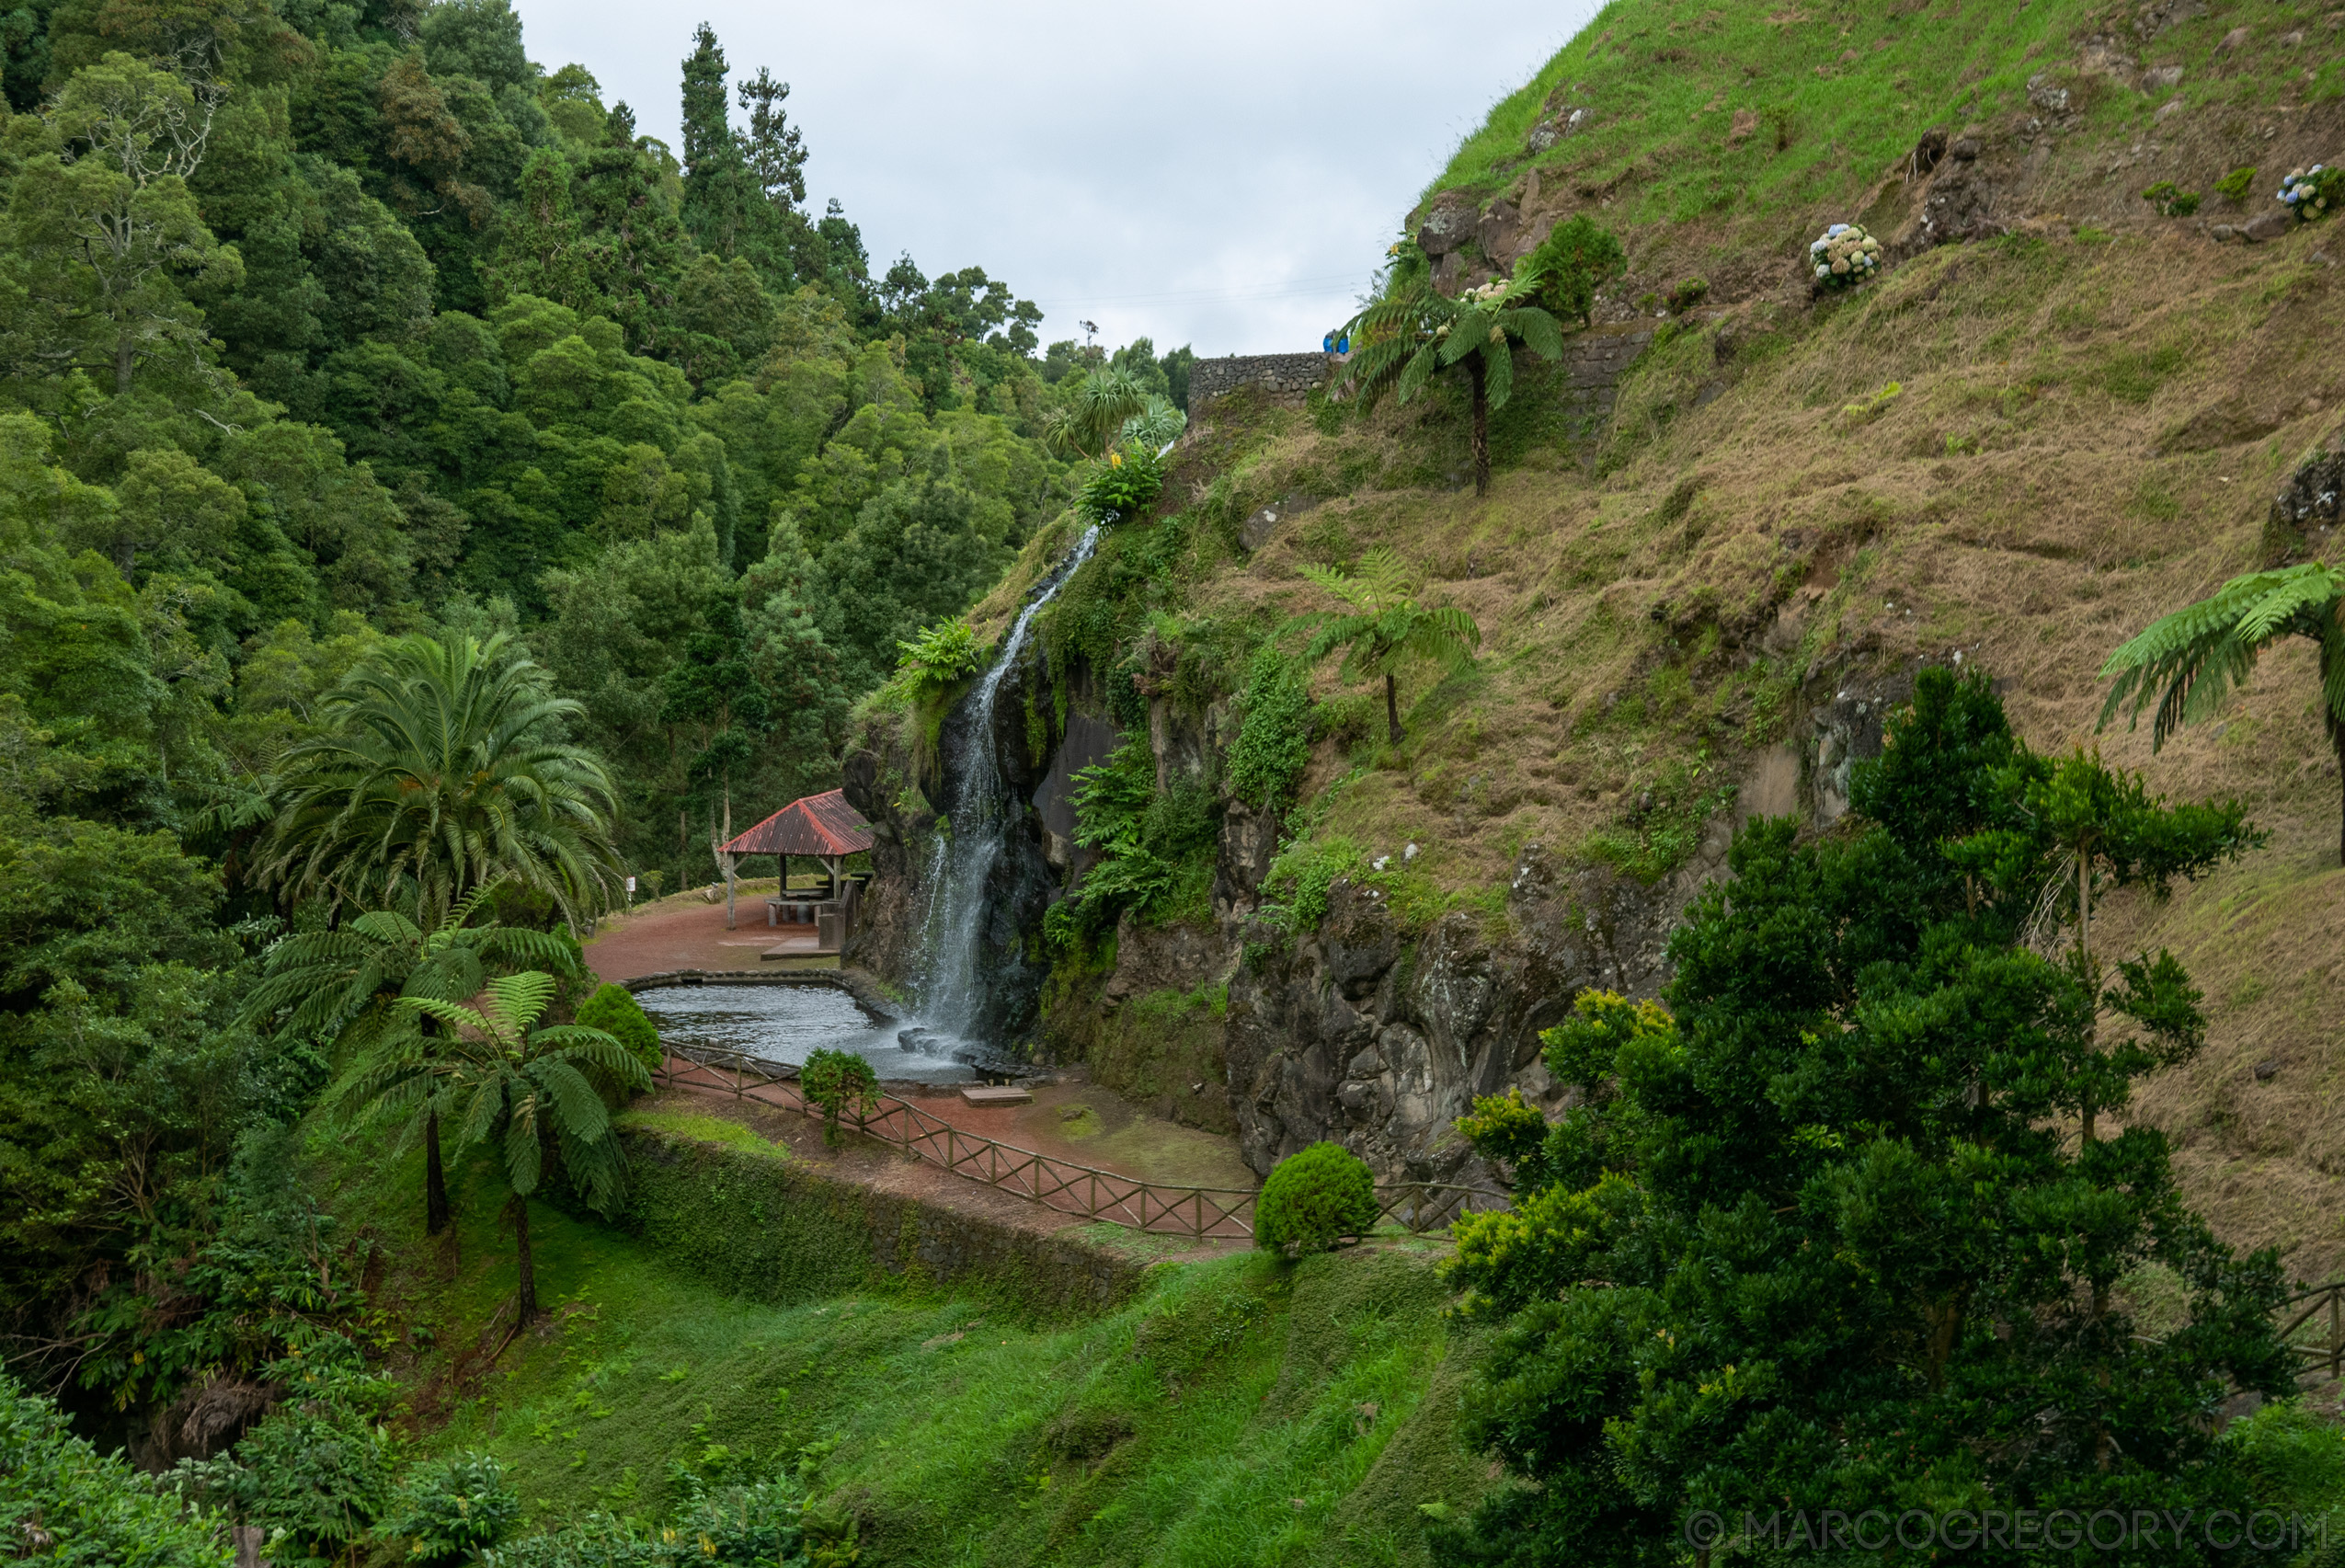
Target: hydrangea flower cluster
x,y
1845,257
2312,193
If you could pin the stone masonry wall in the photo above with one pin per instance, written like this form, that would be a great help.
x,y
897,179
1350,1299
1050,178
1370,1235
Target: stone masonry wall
x,y
1287,378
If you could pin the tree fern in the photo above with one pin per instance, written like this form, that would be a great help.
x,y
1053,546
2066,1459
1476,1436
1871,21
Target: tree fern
x,y
1388,627
2185,664
1413,332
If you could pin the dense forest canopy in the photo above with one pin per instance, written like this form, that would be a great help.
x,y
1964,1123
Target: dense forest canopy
x,y
333,334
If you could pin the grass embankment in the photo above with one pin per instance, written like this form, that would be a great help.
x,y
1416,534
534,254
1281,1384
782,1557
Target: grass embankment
x,y
1243,1410
1726,129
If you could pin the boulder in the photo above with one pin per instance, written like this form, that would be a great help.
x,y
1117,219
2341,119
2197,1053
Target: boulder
x,y
1500,231
2162,79
2046,95
2265,227
1448,223
2234,41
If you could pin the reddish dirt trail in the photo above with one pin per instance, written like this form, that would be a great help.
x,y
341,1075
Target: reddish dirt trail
x,y
682,931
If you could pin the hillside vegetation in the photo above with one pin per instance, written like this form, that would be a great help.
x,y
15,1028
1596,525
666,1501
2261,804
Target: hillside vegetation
x,y
2011,454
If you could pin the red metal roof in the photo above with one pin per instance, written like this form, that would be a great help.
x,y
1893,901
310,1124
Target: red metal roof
x,y
819,824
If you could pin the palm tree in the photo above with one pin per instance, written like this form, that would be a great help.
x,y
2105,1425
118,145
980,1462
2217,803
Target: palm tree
x,y
1089,423
1388,625
498,1078
1415,331
2190,659
446,772
347,983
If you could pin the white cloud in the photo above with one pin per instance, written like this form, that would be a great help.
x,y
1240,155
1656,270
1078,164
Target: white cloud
x,y
1220,173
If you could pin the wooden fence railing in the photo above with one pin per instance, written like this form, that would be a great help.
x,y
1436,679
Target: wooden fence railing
x,y
1205,1213
2322,1307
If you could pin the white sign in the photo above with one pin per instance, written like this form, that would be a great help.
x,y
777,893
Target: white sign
x,y
630,884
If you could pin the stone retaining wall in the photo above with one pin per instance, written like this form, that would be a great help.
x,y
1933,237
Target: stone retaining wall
x,y
1593,363
1283,378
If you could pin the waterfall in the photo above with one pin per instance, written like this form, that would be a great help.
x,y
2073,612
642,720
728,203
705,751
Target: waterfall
x,y
952,972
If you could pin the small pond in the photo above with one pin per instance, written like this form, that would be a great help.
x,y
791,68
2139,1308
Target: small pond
x,y
784,1023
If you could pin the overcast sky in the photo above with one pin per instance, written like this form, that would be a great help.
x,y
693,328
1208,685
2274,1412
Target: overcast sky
x,y
1223,173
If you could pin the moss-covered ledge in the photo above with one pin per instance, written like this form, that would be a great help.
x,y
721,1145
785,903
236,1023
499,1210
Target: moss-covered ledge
x,y
774,1231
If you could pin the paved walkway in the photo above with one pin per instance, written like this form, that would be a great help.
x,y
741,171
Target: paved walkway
x,y
684,931
1070,1118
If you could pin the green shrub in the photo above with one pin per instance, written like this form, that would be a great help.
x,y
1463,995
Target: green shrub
x,y
2171,200
93,1507
449,1510
1314,1197
1274,742
1123,487
1297,882
1572,262
935,661
2234,187
1688,294
838,1081
615,1012
735,1525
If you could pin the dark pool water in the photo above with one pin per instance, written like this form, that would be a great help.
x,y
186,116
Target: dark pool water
x,y
785,1024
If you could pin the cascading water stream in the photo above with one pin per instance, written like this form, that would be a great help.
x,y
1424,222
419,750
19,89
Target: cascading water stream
x,y
951,981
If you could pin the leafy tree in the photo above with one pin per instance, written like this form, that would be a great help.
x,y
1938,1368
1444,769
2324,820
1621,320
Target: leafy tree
x,y
105,238
1414,332
347,983
443,775
1815,1236
2189,662
1387,626
526,1089
839,1082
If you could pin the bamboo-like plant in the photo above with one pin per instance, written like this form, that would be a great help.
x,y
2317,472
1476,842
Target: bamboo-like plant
x,y
2189,662
1387,625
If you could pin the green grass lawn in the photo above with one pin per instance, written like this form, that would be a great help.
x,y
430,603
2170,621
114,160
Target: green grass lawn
x,y
1243,1410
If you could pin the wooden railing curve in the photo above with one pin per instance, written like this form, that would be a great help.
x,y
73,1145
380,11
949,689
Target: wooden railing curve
x,y
2324,1361
1201,1213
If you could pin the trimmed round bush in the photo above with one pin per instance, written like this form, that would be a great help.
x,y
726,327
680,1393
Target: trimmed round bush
x,y
1312,1198
615,1012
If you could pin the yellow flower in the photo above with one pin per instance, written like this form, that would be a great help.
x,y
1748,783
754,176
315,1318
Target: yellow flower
x,y
1114,460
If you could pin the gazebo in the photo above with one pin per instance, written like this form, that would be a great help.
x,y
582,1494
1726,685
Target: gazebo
x,y
820,826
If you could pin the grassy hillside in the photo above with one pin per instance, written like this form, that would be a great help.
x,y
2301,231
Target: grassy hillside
x,y
2015,453
1241,1409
